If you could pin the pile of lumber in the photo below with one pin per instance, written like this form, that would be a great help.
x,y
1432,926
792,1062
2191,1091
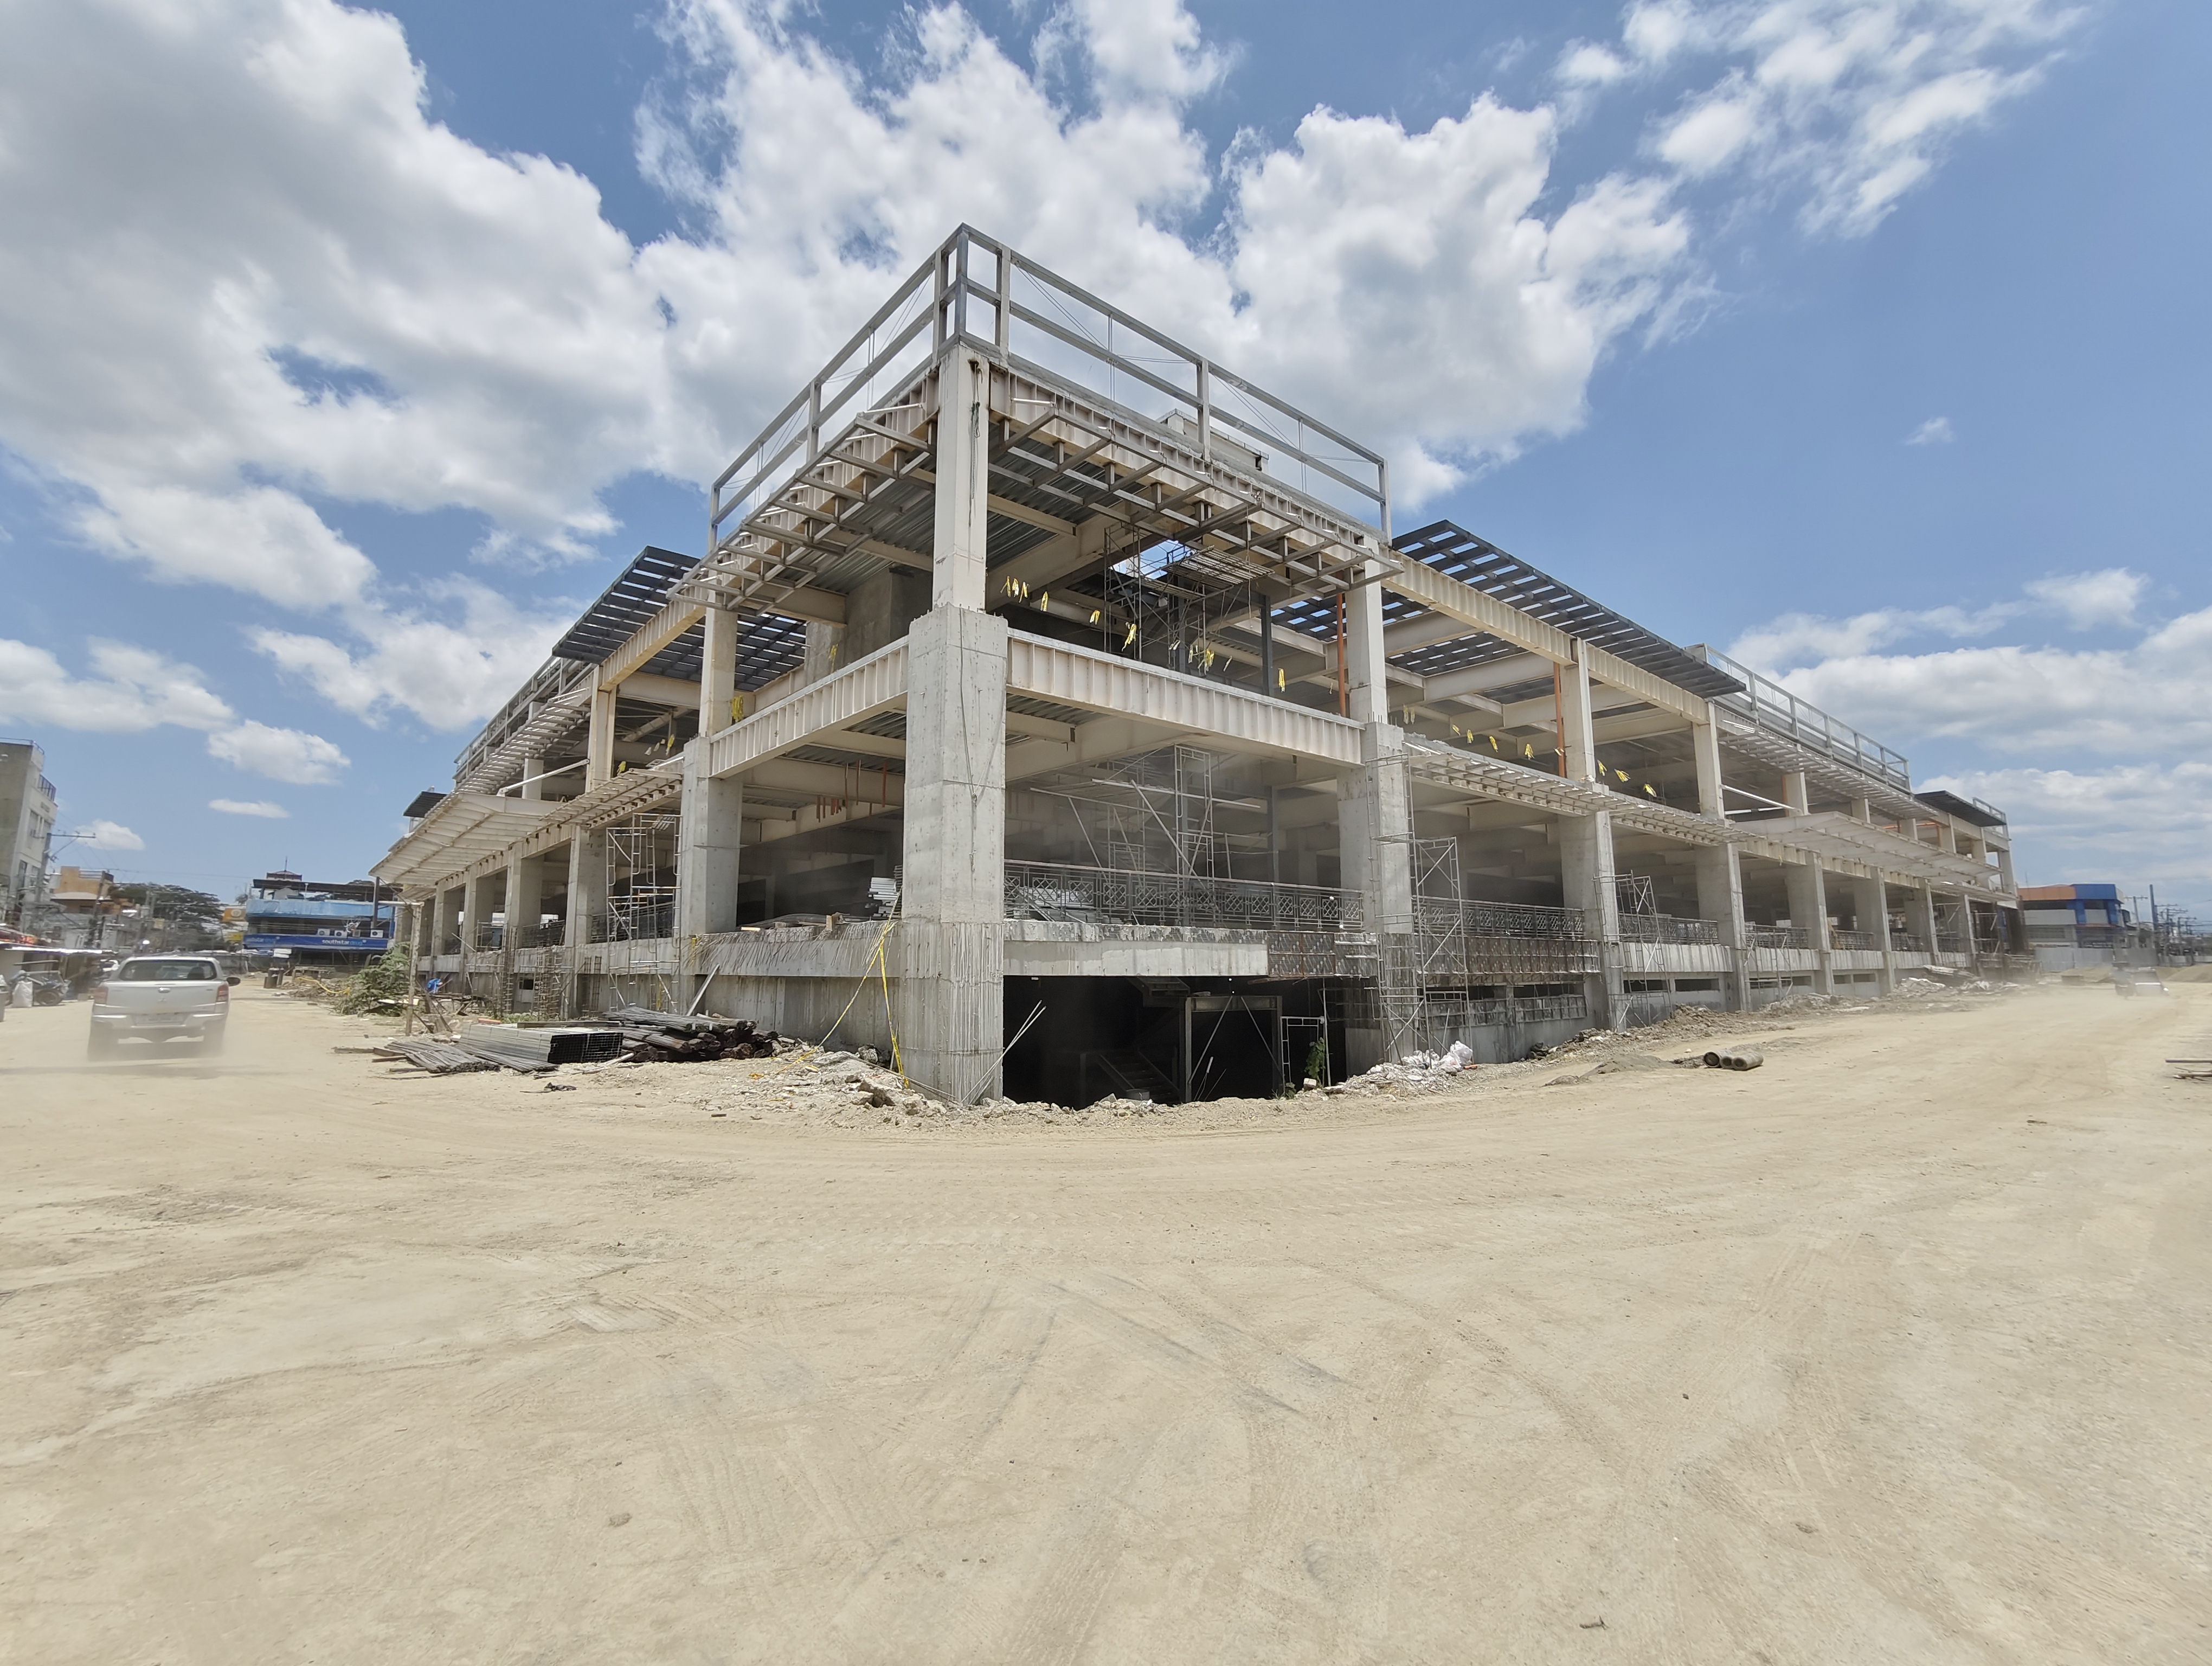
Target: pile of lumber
x,y
651,1038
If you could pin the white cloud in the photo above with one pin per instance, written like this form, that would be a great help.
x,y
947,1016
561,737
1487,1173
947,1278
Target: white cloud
x,y
1936,431
1848,103
2106,598
2133,824
1801,639
261,807
1584,64
110,836
450,670
1710,135
252,274
2137,811
2151,697
136,690
262,541
280,754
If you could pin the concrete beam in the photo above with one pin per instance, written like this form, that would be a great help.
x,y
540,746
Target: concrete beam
x,y
661,691
875,788
1234,718
863,688
1418,583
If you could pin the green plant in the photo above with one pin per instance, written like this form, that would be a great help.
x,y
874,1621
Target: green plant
x,y
388,977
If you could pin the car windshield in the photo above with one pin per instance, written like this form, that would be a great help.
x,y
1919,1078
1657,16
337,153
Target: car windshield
x,y
169,971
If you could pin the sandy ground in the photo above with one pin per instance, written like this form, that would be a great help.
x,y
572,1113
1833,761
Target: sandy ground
x,y
1898,1349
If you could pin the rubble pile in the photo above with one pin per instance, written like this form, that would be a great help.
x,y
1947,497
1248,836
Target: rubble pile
x,y
1416,1072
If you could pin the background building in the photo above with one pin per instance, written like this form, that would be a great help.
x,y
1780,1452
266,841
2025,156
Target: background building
x,y
27,829
2069,926
320,922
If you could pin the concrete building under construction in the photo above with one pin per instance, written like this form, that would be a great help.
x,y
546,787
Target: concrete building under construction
x,y
1058,709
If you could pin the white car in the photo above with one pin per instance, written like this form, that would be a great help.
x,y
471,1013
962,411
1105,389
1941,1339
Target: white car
x,y
161,998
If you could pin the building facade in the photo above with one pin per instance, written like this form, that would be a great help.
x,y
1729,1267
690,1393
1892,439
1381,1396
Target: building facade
x,y
2083,925
318,922
28,807
1058,710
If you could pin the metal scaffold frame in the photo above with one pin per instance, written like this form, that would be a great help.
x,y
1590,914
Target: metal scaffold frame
x,y
640,910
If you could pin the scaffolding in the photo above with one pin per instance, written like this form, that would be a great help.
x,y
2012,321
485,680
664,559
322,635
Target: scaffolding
x,y
1468,965
641,878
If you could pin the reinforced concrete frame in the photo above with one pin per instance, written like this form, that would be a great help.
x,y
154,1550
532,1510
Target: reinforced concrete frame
x,y
956,514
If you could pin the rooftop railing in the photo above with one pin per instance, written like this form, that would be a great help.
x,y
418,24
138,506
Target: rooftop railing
x,y
1778,711
978,288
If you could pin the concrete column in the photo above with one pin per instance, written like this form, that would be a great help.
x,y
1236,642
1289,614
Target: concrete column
x,y
1862,810
526,887
1794,793
1920,915
1374,818
963,479
599,748
2004,869
1720,899
1586,873
718,670
1947,838
707,842
587,901
1870,913
1720,867
823,643
1706,748
950,942
1366,671
534,775
588,884
476,911
1808,908
1577,729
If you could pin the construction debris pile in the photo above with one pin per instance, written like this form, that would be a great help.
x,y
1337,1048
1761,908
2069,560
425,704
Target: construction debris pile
x,y
1416,1072
651,1038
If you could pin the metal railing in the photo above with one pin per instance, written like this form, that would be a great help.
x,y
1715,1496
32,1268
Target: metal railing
x,y
1778,936
450,944
637,925
1500,919
1549,1009
1099,896
1667,928
1840,940
1777,710
975,287
487,936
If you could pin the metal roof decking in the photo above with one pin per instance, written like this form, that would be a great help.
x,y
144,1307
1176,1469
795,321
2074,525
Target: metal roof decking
x,y
1457,553
636,596
1972,811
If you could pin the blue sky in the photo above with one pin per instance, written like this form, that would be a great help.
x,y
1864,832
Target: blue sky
x,y
323,403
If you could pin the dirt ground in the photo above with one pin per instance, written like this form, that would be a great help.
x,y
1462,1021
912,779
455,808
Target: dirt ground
x,y
1897,1349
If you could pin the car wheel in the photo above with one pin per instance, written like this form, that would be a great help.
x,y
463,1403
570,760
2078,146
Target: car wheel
x,y
211,1043
101,1045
